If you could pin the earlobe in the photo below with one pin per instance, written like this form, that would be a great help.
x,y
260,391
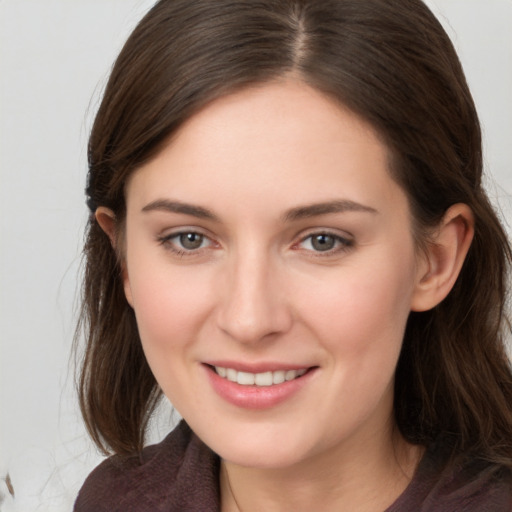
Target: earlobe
x,y
444,258
107,221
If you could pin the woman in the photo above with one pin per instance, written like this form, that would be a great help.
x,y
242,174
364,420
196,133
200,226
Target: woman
x,y
290,240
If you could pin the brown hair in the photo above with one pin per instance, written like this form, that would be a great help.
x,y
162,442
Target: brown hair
x,y
392,64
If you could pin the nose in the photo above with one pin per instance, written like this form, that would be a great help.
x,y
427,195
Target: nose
x,y
253,305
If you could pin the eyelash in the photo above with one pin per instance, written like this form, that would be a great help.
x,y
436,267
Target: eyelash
x,y
167,242
342,244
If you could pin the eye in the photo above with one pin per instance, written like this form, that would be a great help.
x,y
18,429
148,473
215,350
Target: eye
x,y
191,241
185,242
325,243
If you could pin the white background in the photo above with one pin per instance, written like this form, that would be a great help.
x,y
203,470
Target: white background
x,y
54,60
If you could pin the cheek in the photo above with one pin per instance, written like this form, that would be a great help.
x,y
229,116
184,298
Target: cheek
x,y
171,308
170,304
363,309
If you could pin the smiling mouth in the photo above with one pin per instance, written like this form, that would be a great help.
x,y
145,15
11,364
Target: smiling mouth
x,y
264,379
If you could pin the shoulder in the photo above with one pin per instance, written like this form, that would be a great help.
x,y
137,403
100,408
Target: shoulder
x,y
469,484
180,473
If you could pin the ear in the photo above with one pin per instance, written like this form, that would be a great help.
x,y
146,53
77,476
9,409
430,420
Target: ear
x,y
444,258
107,221
106,218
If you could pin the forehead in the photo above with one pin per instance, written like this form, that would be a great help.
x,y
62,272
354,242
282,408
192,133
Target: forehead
x,y
275,144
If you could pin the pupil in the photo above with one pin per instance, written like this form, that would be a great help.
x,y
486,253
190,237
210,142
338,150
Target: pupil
x,y
323,242
191,240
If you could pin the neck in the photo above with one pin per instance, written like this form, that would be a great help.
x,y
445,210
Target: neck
x,y
366,476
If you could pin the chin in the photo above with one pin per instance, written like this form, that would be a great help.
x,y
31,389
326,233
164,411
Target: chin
x,y
263,448
258,458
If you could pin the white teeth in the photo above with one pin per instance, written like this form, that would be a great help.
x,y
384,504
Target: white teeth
x,y
263,379
244,378
278,377
258,379
290,375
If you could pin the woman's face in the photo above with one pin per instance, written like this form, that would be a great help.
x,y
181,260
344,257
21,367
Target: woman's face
x,y
268,242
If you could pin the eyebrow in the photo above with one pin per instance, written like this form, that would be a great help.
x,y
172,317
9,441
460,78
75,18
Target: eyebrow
x,y
337,206
179,207
298,213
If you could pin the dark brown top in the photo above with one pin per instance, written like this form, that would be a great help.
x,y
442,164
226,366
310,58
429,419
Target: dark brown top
x,y
182,474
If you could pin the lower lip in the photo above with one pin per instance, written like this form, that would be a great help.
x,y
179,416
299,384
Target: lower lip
x,y
256,397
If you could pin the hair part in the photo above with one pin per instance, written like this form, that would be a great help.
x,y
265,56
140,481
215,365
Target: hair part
x,y
392,64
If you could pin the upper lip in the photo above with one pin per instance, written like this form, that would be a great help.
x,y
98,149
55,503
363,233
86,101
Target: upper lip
x,y
260,367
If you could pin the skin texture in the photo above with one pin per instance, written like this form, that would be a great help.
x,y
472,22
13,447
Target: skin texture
x,y
257,291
